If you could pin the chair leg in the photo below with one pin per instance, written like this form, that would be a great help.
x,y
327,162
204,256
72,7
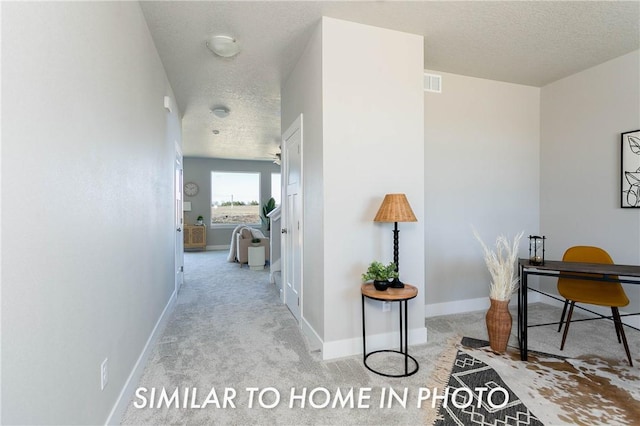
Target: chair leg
x,y
566,327
615,323
564,311
618,320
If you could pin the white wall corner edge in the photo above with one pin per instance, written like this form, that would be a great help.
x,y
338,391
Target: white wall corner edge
x,y
128,390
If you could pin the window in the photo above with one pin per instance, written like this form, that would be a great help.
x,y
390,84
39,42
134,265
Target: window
x,y
275,187
235,198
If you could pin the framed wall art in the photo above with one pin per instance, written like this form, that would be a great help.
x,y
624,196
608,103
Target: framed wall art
x,y
630,170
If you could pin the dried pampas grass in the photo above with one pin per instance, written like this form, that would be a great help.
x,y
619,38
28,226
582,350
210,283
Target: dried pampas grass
x,y
502,266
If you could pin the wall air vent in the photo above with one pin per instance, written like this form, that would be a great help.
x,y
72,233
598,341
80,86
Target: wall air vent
x,y
432,83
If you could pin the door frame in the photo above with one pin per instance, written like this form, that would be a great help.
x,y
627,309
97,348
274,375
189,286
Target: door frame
x,y
296,125
178,173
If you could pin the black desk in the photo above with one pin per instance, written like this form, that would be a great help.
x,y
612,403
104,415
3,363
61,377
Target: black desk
x,y
400,295
625,274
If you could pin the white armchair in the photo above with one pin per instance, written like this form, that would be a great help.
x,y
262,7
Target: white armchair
x,y
243,242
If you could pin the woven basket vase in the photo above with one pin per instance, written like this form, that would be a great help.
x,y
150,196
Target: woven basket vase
x,y
499,325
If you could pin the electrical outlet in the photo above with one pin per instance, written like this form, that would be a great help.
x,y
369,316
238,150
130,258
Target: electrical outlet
x,y
104,373
386,306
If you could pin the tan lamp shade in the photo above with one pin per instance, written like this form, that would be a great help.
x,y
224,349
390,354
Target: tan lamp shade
x,y
395,208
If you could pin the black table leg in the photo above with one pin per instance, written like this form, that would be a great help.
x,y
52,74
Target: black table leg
x,y
403,350
519,307
406,339
364,338
523,319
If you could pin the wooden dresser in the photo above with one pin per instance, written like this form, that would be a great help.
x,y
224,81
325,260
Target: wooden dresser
x,y
195,237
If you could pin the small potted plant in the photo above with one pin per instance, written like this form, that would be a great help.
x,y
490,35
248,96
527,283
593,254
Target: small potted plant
x,y
255,242
200,220
380,274
267,208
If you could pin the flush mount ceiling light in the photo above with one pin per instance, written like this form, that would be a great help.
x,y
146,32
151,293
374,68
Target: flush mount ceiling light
x,y
220,112
224,46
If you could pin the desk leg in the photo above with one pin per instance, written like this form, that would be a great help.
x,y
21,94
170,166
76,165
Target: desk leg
x,y
364,336
523,317
520,307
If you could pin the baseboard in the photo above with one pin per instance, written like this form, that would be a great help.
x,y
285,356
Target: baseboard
x,y
128,390
353,346
469,305
313,339
276,266
482,304
217,247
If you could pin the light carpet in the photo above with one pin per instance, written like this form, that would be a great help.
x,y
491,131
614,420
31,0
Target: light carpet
x,y
229,332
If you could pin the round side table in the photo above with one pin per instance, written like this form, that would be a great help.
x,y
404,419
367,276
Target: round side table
x,y
400,295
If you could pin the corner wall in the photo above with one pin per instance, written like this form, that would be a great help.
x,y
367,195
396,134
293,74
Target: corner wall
x,y
363,137
373,144
302,94
87,205
481,171
582,118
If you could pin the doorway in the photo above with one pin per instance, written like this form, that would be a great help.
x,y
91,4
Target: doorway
x,y
179,220
292,217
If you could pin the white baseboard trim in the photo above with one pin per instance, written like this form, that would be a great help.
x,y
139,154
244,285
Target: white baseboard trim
x,y
217,247
132,381
470,305
313,339
353,346
482,304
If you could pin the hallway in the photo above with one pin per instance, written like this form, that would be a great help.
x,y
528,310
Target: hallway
x,y
229,331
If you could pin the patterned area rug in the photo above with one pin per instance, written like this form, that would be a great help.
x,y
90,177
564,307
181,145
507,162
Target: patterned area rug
x,y
547,389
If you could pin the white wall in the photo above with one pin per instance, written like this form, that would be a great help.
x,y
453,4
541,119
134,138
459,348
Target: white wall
x,y
373,144
87,189
363,138
481,170
582,118
302,94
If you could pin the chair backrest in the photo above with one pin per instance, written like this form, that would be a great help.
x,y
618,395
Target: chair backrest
x,y
589,291
587,254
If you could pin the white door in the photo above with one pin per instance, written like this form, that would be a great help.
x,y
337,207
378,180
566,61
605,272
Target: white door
x,y
179,219
292,217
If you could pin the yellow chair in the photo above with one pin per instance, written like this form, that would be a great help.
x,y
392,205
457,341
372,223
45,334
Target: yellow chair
x,y
592,292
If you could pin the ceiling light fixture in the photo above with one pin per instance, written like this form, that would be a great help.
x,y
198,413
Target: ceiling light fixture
x,y
220,112
224,46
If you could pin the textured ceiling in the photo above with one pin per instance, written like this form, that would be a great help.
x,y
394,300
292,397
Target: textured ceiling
x,y
531,43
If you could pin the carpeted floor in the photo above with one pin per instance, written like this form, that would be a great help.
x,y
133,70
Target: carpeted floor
x,y
229,333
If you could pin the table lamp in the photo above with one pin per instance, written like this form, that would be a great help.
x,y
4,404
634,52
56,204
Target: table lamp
x,y
395,208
